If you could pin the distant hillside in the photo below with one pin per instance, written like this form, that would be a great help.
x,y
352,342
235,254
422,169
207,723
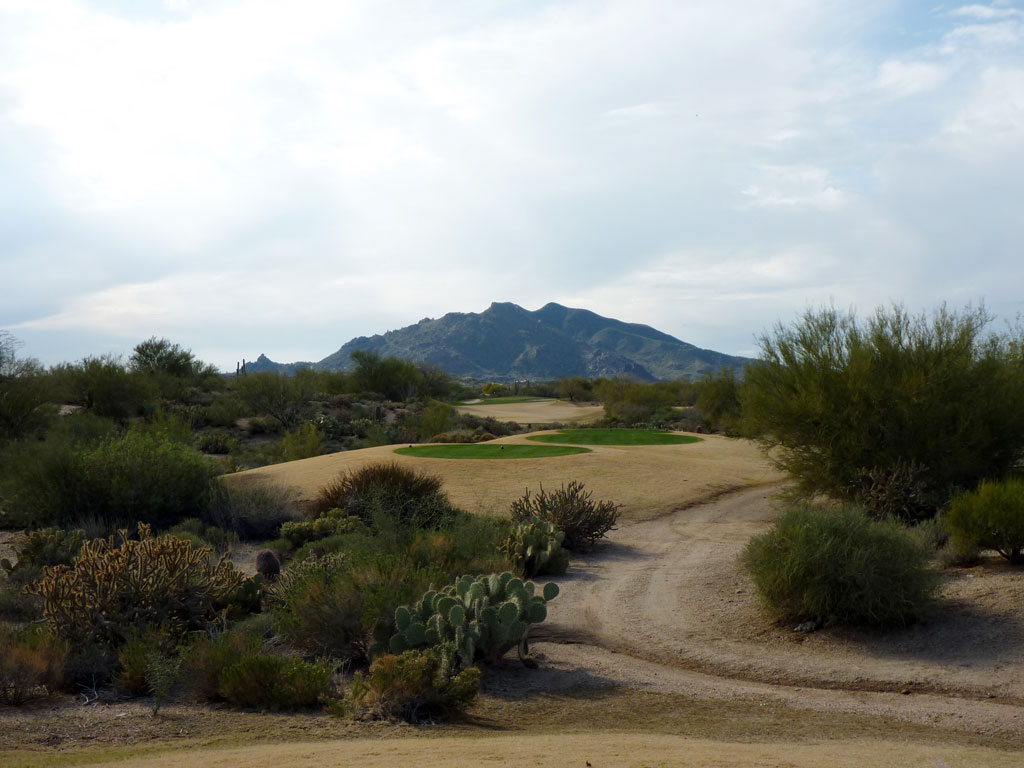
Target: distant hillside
x,y
508,342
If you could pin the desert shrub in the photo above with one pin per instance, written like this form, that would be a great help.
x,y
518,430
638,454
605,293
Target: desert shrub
x,y
534,547
205,658
303,442
200,534
836,565
263,681
284,398
254,511
133,659
317,607
571,510
408,497
333,522
417,687
25,391
926,405
215,442
106,387
50,546
224,411
15,606
31,664
114,592
991,517
718,401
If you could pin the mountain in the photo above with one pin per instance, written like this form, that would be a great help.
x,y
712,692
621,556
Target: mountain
x,y
507,342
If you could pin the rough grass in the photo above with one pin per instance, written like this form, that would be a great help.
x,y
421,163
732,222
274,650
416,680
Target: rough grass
x,y
508,400
488,451
615,437
537,412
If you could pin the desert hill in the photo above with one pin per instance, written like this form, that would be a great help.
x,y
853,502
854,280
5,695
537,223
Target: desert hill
x,y
507,342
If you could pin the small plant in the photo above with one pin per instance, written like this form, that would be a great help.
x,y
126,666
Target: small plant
x,y
535,547
262,681
838,566
112,592
991,517
333,522
303,442
205,658
417,687
255,511
572,511
162,673
51,546
484,617
31,664
195,530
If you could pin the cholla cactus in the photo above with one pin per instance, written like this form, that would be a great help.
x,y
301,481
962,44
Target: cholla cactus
x,y
111,592
484,617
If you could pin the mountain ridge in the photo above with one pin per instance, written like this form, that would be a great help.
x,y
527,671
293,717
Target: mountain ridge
x,y
506,342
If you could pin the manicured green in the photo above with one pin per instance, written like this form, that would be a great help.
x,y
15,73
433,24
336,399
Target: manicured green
x,y
614,437
488,451
508,400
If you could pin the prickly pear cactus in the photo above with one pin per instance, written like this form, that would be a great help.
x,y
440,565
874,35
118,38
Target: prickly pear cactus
x,y
483,617
535,547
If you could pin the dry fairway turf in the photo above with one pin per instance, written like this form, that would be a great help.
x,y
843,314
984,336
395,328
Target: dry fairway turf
x,y
649,480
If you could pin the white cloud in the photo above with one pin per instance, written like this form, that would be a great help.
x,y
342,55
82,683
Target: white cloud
x,y
793,186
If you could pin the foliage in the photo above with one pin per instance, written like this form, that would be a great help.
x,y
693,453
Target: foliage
x,y
106,387
719,401
836,565
991,517
484,617
927,404
50,546
200,534
206,657
417,687
31,663
262,681
631,402
114,592
535,547
409,498
571,510
162,674
161,356
25,390
333,522
436,417
285,398
575,388
303,442
255,511
397,379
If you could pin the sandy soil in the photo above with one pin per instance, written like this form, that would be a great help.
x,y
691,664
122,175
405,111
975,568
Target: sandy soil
x,y
601,750
683,603
648,480
545,412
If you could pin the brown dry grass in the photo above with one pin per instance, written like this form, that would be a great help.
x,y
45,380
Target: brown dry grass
x,y
650,480
546,412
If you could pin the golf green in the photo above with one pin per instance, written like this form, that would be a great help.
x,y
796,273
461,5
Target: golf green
x,y
614,437
488,451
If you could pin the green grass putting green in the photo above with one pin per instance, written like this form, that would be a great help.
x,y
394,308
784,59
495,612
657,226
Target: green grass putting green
x,y
614,437
508,400
488,451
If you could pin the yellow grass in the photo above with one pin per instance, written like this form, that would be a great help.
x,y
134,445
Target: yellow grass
x,y
602,750
546,412
650,479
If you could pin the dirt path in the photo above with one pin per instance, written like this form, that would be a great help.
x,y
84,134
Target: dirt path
x,y
666,606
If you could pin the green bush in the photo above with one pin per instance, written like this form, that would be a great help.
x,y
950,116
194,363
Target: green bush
x,y
50,546
202,535
204,660
898,413
417,687
992,517
25,391
333,522
283,398
303,442
405,497
836,565
262,681
570,510
217,441
254,511
31,664
106,387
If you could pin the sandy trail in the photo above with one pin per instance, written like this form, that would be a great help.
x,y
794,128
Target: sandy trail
x,y
666,606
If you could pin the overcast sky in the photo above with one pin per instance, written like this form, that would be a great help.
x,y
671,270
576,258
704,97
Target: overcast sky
x,y
247,176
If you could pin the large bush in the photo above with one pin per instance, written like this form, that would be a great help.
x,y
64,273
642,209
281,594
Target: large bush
x,y
897,413
25,390
991,517
839,566
571,510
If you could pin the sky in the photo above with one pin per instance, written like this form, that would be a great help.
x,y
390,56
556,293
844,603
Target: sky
x,y
256,176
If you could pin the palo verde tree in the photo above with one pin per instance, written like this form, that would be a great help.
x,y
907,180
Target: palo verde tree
x,y
898,412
